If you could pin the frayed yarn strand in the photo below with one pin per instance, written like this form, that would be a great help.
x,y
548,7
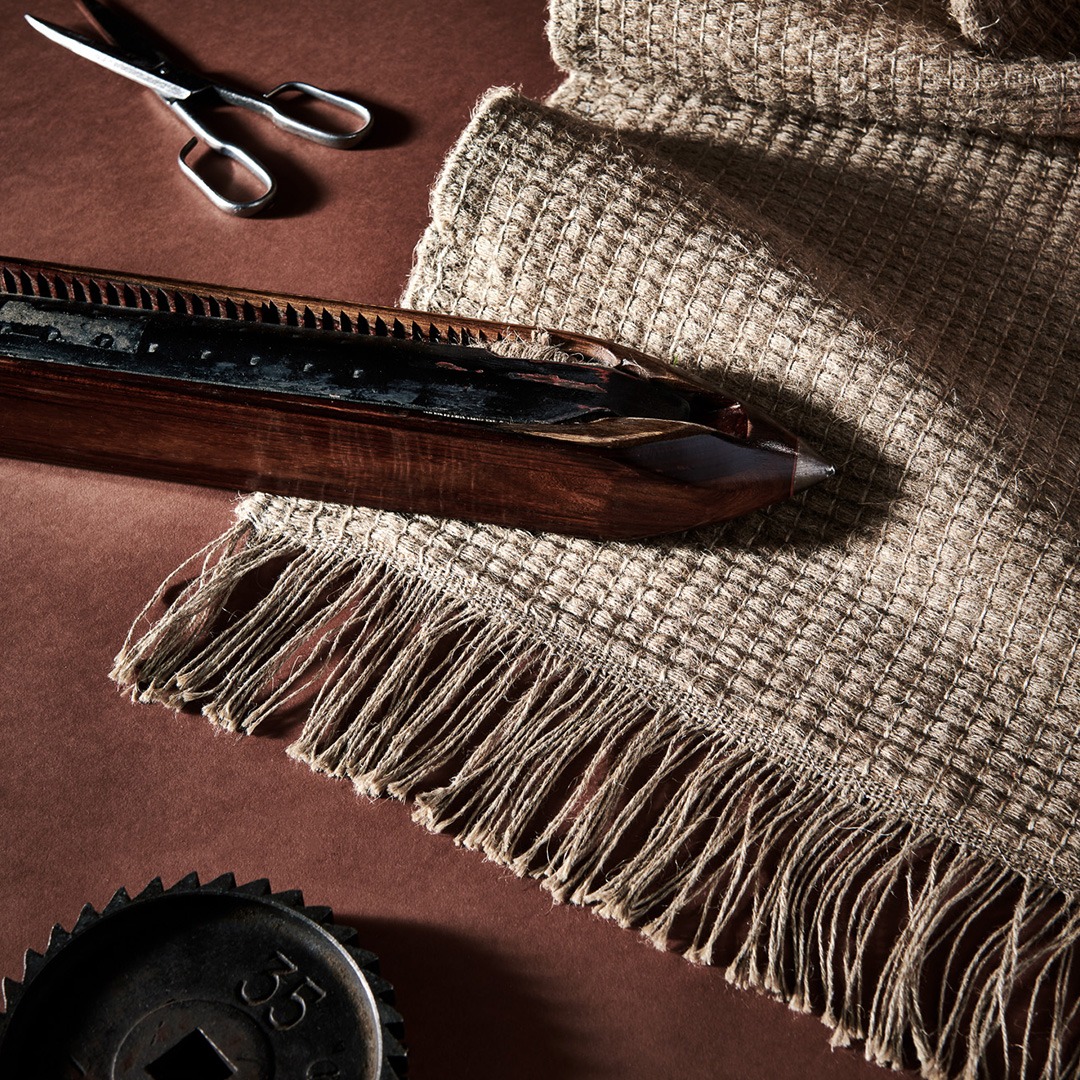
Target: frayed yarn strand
x,y
657,824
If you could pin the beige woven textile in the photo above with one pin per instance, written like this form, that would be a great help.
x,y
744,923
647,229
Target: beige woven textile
x,y
831,746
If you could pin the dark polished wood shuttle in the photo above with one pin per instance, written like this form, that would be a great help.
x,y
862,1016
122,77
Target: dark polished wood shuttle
x,y
371,406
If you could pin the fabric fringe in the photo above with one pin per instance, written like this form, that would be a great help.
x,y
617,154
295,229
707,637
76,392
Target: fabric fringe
x,y
926,953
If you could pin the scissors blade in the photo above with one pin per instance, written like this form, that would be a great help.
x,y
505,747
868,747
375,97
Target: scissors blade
x,y
113,59
123,30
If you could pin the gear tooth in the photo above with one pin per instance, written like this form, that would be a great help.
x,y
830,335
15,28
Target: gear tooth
x,y
58,938
344,934
222,883
319,913
87,916
155,888
34,961
389,1015
395,1063
391,1047
391,1072
119,899
12,992
380,987
367,960
186,883
293,897
259,887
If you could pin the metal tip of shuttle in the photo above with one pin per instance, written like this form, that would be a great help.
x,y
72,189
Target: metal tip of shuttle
x,y
810,469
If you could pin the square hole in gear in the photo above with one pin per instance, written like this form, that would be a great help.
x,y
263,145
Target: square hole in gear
x,y
194,1057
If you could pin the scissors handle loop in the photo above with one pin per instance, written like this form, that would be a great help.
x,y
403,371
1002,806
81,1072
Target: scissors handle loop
x,y
325,136
231,151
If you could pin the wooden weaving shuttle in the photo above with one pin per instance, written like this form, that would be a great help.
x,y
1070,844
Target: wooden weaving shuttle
x,y
375,406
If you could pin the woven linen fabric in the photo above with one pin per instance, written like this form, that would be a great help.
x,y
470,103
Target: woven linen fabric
x,y
831,746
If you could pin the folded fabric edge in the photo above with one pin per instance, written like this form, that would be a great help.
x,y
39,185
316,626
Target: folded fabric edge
x,y
1019,27
901,65
922,949
445,193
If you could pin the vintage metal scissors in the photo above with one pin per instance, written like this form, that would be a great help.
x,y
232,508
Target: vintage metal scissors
x,y
130,51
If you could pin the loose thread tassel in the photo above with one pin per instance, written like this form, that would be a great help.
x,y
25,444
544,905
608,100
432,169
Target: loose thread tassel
x,y
928,953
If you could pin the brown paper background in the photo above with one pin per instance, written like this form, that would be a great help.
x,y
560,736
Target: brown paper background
x,y
493,980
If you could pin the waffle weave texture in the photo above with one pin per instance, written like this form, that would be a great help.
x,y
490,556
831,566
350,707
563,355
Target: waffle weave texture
x,y
905,298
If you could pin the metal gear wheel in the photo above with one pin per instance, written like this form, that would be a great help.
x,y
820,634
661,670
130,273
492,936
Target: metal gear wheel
x,y
201,982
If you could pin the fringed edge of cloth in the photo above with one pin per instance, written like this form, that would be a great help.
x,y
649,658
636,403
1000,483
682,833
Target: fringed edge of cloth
x,y
926,952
